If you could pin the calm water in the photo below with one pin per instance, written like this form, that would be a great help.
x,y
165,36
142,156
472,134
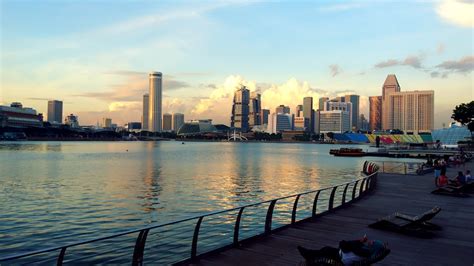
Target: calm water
x,y
55,192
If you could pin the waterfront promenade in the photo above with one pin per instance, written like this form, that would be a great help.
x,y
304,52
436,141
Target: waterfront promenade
x,y
410,194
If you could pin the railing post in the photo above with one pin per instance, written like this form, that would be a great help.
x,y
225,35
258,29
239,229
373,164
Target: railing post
x,y
405,166
268,219
331,198
139,248
362,186
354,190
237,227
315,203
344,194
383,167
59,262
295,206
195,239
369,180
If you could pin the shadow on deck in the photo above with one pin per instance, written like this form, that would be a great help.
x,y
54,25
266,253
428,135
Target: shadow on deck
x,y
454,245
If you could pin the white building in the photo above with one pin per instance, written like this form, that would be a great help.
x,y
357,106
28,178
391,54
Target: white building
x,y
178,121
336,121
155,112
342,106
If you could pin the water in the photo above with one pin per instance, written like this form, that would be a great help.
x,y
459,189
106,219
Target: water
x,y
53,193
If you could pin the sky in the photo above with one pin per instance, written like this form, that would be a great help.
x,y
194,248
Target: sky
x,y
95,55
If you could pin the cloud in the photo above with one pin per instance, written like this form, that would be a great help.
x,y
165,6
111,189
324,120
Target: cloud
x,y
459,13
412,60
463,65
388,63
38,99
335,70
436,74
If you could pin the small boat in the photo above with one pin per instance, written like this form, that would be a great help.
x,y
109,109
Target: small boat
x,y
350,152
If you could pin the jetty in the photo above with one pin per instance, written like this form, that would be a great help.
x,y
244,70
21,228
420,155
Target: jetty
x,y
394,192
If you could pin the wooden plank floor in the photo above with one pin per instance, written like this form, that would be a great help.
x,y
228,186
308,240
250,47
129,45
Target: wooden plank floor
x,y
454,245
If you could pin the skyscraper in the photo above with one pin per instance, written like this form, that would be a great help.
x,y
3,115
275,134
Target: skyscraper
x,y
336,121
167,122
354,99
389,86
240,110
55,111
178,121
264,116
281,109
308,113
154,114
410,111
255,106
299,110
146,104
322,101
375,112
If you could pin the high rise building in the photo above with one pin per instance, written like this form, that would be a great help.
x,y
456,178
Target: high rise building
x,y
375,112
155,94
255,107
264,116
281,122
337,121
322,101
281,109
342,106
106,122
240,110
409,111
178,121
354,100
308,113
299,123
299,110
146,110
167,122
55,111
389,86
363,123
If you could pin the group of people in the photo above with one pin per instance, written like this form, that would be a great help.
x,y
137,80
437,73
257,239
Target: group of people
x,y
460,180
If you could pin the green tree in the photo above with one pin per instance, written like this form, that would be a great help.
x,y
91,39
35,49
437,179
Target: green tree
x,y
464,114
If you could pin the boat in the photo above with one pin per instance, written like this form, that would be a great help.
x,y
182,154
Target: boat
x,y
349,152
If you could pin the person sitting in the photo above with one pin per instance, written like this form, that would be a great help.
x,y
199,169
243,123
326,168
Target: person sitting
x,y
459,180
442,180
468,177
349,252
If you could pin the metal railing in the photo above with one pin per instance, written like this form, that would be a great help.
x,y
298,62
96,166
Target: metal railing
x,y
396,167
181,242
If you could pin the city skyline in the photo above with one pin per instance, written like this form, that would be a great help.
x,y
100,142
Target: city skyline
x,y
430,50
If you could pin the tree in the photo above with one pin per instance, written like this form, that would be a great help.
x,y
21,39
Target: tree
x,y
464,114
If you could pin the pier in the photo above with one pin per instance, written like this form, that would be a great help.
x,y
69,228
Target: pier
x,y
394,192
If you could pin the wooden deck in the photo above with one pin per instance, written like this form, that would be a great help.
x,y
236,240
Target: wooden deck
x,y
454,245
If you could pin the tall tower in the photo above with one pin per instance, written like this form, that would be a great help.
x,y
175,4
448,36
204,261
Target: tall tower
x,y
167,122
389,86
240,110
178,121
375,112
308,113
154,114
354,99
55,111
255,106
146,110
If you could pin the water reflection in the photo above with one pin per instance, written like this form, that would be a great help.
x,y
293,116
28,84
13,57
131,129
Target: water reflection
x,y
82,190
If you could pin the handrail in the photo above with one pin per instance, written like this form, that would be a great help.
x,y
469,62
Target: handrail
x,y
138,253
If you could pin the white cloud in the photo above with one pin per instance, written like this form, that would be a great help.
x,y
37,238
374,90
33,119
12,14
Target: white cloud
x,y
460,13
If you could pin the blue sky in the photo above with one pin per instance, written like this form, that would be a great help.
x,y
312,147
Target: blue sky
x,y
94,55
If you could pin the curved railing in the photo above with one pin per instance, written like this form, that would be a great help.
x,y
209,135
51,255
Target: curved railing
x,y
188,239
